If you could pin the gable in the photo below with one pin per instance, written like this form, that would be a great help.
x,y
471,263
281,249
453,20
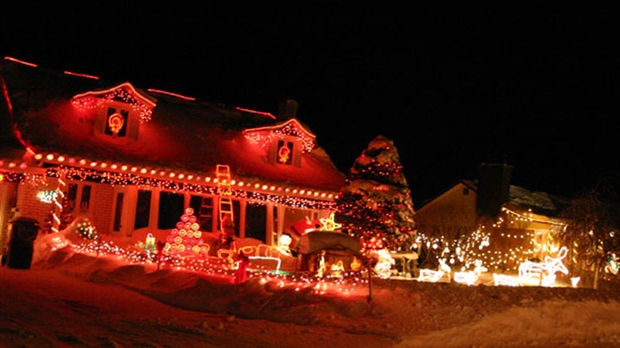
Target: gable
x,y
284,143
124,93
179,138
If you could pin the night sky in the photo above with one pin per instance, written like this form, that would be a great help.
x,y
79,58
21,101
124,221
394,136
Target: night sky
x,y
534,87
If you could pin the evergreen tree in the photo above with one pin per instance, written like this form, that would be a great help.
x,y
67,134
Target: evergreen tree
x,y
375,203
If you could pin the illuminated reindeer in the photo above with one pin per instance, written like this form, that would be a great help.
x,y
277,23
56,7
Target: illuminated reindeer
x,y
546,270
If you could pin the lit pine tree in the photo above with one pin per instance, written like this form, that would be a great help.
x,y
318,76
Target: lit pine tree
x,y
375,204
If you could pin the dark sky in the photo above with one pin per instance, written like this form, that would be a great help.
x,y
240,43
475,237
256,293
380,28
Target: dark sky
x,y
536,87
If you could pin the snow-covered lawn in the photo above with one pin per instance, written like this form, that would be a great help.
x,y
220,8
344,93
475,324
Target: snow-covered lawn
x,y
89,300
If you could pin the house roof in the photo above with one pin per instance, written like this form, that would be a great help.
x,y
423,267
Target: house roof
x,y
520,198
180,135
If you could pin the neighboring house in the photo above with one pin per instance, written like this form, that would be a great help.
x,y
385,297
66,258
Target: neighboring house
x,y
134,159
514,218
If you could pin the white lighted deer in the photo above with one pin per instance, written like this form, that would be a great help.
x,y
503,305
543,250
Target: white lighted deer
x,y
546,270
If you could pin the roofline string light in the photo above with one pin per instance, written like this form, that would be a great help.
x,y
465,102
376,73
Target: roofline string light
x,y
266,114
81,75
114,178
71,161
263,136
124,92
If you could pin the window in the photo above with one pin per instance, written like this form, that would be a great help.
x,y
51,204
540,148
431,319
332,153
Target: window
x,y
466,191
256,222
116,122
71,199
143,209
285,150
170,210
118,212
203,210
85,200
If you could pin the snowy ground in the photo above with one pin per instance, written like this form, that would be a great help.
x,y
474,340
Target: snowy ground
x,y
76,300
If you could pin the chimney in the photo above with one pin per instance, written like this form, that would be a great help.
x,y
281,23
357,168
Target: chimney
x,y
493,188
288,109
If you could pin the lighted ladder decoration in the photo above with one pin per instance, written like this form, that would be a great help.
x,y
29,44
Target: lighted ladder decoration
x,y
223,184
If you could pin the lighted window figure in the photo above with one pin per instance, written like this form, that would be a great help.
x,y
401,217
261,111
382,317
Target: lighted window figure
x,y
285,152
116,123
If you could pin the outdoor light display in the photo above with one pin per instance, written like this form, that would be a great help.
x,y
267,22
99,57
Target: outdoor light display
x,y
265,136
125,93
546,270
306,199
115,123
375,204
505,280
329,224
85,229
47,196
149,244
383,268
186,238
429,275
467,277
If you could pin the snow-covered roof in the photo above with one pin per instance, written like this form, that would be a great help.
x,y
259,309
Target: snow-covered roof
x,y
539,202
520,198
180,134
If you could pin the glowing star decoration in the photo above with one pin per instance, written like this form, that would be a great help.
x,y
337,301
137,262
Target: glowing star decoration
x,y
329,224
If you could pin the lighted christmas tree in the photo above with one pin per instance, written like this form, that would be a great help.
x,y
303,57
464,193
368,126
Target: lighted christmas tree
x,y
186,238
375,204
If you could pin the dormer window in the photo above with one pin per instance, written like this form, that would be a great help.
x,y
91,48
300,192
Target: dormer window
x,y
286,142
116,123
119,111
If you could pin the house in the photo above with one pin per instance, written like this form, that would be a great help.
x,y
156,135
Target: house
x,y
132,160
503,223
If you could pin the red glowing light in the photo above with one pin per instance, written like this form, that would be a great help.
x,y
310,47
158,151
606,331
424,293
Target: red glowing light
x,y
82,75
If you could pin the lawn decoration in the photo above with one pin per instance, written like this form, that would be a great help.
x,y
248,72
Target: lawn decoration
x,y
544,271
